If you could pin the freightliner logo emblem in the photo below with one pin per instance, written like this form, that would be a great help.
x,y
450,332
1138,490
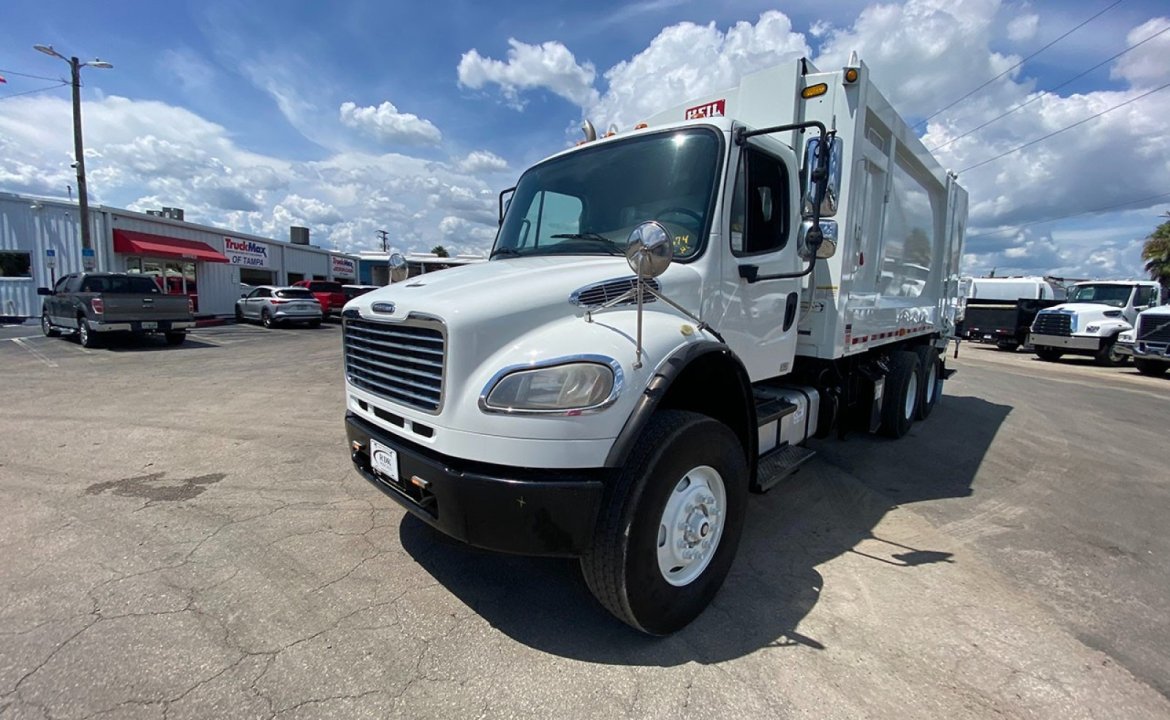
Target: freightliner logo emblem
x,y
383,307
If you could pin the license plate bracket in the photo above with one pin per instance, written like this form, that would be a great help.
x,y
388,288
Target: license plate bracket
x,y
384,460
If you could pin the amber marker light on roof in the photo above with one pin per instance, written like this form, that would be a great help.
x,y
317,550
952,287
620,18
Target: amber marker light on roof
x,y
813,91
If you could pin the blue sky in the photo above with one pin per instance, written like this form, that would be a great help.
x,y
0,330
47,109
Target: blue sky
x,y
354,116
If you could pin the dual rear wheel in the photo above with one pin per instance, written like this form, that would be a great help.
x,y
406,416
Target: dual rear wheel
x,y
912,389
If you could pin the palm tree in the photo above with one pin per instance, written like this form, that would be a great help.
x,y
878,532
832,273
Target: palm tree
x,y
1156,253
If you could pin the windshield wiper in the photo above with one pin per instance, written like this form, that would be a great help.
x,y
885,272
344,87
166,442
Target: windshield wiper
x,y
595,237
509,251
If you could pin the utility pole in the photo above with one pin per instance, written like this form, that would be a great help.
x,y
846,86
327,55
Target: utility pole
x,y
75,66
382,234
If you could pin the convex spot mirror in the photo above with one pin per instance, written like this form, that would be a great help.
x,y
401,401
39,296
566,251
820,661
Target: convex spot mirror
x,y
649,249
832,187
828,245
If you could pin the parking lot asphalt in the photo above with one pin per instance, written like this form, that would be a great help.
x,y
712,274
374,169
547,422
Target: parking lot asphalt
x,y
182,536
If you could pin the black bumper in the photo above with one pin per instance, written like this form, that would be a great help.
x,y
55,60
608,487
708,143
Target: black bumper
x,y
515,510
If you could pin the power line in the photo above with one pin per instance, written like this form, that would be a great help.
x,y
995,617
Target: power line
x,y
1052,90
60,83
1070,215
1013,67
1063,129
20,74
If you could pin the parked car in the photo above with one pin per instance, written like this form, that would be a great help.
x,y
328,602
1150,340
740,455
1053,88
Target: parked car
x,y
92,305
328,293
273,305
352,291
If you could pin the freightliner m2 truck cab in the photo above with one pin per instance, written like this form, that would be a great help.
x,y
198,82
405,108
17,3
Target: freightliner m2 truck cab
x,y
1092,320
668,315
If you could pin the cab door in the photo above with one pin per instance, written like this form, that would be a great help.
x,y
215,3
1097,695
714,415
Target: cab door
x,y
760,316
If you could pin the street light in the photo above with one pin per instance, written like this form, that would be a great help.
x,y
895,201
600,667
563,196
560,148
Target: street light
x,y
75,66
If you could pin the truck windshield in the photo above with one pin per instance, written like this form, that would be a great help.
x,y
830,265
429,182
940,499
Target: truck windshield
x,y
1115,295
587,202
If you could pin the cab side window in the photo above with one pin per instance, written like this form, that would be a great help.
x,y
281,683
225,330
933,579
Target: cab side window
x,y
759,208
74,284
60,286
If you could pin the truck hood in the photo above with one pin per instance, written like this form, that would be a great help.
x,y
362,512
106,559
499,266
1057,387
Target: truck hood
x,y
1096,310
530,291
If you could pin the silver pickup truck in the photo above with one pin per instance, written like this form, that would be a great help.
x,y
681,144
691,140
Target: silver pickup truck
x,y
95,304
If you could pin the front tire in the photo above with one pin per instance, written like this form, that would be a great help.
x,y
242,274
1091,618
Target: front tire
x,y
1108,356
670,523
239,315
1151,368
900,403
1048,354
47,326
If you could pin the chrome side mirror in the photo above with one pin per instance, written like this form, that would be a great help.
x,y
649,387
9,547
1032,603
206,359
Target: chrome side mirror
x,y
397,267
649,249
823,249
833,184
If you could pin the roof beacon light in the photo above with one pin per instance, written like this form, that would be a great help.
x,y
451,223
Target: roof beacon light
x,y
813,91
852,69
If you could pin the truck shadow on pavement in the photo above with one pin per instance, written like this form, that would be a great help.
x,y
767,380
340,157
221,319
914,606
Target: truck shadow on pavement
x,y
824,511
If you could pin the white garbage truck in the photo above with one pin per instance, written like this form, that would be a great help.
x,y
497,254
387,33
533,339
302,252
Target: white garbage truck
x,y
668,315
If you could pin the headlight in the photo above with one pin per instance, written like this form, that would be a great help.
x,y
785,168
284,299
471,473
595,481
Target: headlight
x,y
559,386
1127,337
1092,329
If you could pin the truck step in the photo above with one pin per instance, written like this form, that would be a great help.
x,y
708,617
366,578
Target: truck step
x,y
769,409
780,464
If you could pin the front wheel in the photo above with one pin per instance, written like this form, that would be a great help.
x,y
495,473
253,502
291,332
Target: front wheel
x,y
670,523
1048,354
47,326
1153,368
239,315
1108,356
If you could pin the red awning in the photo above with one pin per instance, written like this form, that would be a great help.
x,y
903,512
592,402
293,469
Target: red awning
x,y
140,243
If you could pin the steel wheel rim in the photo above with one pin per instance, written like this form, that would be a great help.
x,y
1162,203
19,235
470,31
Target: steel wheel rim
x,y
45,325
911,395
691,525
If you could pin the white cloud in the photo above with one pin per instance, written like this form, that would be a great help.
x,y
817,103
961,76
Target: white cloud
x,y
387,124
1146,66
482,161
144,155
1023,27
549,65
687,60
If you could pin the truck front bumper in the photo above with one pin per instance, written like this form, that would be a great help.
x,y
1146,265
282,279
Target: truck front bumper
x,y
1067,342
1146,350
507,509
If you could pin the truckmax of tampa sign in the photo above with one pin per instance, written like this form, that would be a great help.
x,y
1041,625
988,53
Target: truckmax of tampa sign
x,y
343,267
248,253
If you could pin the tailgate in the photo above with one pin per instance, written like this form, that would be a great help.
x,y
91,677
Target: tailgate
x,y
126,308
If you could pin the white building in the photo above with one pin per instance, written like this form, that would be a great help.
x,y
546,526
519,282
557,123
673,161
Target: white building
x,y
40,240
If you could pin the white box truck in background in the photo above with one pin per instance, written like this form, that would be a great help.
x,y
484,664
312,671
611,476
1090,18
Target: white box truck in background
x,y
795,253
1092,320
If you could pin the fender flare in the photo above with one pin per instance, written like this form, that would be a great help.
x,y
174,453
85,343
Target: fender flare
x,y
664,376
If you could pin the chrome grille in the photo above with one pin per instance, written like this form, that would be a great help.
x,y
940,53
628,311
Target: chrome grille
x,y
401,362
1052,323
1154,329
601,293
